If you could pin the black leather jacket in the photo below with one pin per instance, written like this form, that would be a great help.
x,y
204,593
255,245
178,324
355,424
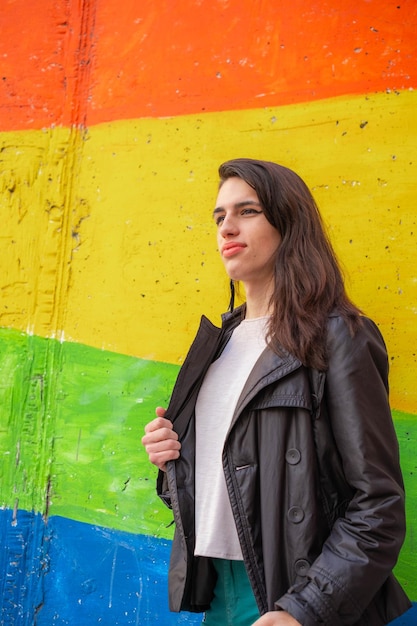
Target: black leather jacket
x,y
312,470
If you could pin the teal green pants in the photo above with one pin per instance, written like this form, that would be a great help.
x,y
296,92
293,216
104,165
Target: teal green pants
x,y
234,603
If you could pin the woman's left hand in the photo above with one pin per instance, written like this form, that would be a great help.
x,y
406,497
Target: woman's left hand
x,y
276,618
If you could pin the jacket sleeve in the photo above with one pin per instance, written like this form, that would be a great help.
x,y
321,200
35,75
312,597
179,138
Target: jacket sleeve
x,y
364,543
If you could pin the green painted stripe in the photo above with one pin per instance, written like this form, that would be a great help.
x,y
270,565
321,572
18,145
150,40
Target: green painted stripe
x,y
71,421
102,472
406,428
26,418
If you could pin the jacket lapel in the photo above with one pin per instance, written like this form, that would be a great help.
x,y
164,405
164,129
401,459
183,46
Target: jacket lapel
x,y
269,368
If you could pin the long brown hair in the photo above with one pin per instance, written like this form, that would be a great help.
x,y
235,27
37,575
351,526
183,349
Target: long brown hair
x,y
309,283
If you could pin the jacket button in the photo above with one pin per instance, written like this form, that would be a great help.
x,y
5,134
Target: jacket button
x,y
296,514
301,567
293,456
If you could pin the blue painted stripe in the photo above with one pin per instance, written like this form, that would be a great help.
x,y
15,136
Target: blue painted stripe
x,y
103,576
23,558
69,572
408,619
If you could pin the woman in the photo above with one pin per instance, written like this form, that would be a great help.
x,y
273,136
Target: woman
x,y
277,452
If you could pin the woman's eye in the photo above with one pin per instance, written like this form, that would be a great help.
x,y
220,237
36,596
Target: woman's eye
x,y
250,211
219,219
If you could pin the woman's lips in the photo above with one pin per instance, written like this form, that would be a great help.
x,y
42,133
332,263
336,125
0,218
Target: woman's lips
x,y
232,248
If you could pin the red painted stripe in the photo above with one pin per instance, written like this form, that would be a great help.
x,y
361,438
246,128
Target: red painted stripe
x,y
98,61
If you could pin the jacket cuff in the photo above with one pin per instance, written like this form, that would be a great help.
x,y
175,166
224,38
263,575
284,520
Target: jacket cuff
x,y
308,606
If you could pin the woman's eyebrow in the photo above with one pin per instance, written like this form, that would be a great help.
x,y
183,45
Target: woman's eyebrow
x,y
237,205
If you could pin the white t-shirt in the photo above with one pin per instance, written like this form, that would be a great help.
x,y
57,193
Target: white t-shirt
x,y
216,534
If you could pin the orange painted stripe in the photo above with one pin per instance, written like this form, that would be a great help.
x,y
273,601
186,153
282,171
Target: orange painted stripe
x,y
45,62
66,65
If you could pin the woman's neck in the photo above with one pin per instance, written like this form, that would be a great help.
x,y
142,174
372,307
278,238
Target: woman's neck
x,y
257,302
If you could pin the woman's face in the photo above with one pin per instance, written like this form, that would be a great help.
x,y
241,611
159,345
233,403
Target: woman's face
x,y
247,241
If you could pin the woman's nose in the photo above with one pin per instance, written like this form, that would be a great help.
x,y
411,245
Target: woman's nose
x,y
229,226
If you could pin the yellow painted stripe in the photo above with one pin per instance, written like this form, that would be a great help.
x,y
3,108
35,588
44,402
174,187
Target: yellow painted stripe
x,y
108,236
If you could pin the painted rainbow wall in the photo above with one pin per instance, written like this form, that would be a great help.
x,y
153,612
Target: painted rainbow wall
x,y
113,120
